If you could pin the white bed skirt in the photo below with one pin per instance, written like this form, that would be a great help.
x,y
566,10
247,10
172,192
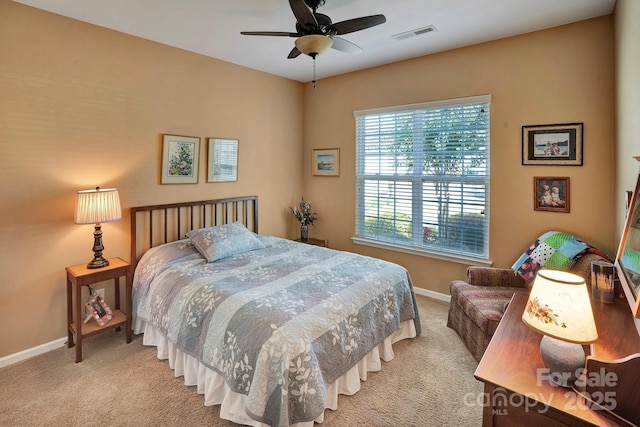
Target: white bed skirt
x,y
216,392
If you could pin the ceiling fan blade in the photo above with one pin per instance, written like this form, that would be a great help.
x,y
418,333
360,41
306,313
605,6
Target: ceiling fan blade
x,y
357,24
295,52
269,33
345,46
303,15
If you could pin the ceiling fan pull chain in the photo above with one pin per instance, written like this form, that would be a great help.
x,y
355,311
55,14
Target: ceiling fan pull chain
x,y
314,73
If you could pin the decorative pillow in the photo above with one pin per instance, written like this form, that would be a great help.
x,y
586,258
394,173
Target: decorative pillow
x,y
552,250
222,241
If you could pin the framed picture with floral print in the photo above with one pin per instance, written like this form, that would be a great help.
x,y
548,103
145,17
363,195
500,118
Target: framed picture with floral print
x,y
180,159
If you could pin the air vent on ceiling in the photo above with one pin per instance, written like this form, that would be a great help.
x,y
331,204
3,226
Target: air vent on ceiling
x,y
416,32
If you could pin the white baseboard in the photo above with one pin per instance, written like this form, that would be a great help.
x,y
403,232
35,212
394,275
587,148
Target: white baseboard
x,y
432,294
31,352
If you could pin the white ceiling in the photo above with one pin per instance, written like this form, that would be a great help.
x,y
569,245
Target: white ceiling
x,y
212,27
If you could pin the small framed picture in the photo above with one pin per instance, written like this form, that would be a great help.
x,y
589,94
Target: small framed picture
x,y
551,194
99,310
552,145
325,162
180,159
222,162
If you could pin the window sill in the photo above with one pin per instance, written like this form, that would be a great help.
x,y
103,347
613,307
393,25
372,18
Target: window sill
x,y
461,259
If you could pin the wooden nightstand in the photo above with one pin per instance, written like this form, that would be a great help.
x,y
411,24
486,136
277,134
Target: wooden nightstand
x,y
80,275
314,242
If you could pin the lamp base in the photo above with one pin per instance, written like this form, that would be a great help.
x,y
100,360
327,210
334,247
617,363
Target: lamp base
x,y
98,262
565,360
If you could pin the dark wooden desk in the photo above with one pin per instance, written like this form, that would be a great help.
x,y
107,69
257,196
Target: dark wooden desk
x,y
516,390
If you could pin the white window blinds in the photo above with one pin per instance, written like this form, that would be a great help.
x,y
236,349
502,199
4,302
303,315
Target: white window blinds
x,y
422,175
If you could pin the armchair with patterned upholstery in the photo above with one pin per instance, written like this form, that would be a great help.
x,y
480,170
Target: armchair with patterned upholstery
x,y
477,304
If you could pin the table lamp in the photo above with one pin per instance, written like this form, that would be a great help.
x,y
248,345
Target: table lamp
x,y
559,308
95,207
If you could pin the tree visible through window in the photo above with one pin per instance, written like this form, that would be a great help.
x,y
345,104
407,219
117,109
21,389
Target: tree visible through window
x,y
422,176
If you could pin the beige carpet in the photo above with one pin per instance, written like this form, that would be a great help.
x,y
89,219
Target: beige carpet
x,y
122,385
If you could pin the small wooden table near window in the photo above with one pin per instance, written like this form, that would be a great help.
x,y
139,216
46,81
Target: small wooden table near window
x,y
80,275
315,242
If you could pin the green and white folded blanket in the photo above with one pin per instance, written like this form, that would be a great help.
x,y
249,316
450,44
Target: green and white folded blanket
x,y
553,250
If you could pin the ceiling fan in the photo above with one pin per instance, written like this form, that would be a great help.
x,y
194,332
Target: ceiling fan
x,y
316,33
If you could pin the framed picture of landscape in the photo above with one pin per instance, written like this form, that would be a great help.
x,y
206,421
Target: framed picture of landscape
x,y
325,162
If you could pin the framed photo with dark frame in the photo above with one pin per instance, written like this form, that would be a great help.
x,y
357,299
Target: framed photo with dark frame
x,y
551,194
325,162
552,145
180,156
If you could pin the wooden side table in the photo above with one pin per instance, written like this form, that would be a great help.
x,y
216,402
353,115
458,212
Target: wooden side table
x,y
515,393
315,242
80,275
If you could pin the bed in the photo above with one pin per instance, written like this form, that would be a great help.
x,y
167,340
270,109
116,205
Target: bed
x,y
270,329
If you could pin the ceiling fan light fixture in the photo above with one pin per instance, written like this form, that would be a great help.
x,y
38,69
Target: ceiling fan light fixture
x,y
314,44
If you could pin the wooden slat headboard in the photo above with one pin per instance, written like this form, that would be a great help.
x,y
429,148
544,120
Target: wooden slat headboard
x,y
158,224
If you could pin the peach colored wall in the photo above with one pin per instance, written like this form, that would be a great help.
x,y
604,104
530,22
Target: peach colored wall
x,y
627,40
560,75
82,106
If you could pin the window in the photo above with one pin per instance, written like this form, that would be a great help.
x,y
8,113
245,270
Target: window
x,y
422,178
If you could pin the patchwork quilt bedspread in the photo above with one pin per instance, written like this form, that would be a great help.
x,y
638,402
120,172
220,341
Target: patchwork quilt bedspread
x,y
281,323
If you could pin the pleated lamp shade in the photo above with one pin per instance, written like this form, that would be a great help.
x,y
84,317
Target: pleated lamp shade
x,y
97,206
